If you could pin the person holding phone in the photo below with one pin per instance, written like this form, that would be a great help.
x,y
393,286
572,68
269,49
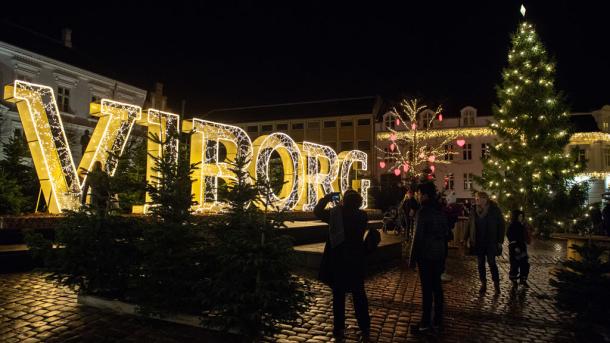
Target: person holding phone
x,y
343,259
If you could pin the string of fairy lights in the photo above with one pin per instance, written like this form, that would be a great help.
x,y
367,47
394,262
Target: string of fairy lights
x,y
322,171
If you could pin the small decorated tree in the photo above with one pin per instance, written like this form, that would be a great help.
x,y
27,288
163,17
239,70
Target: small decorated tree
x,y
412,150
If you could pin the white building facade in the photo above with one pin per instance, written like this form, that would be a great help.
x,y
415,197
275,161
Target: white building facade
x,y
74,89
591,140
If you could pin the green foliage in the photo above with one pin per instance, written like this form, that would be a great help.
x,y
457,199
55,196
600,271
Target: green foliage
x,y
528,166
170,248
22,181
582,286
254,289
129,180
11,199
95,254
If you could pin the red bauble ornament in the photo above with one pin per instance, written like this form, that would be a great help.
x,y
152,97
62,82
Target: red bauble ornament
x,y
440,117
396,171
392,136
432,168
405,167
413,126
397,121
431,158
460,142
392,147
382,164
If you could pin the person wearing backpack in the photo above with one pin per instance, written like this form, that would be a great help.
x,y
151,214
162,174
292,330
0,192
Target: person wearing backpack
x,y
342,266
428,253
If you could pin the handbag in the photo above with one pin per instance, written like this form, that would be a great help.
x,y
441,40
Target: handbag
x,y
371,241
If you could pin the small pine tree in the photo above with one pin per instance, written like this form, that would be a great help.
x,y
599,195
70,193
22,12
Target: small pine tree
x,y
15,167
170,249
528,166
129,180
252,288
582,286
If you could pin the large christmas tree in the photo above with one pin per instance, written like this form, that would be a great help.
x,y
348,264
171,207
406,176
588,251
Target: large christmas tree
x,y
529,167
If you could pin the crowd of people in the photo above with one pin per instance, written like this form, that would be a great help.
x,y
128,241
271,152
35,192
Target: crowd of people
x,y
431,218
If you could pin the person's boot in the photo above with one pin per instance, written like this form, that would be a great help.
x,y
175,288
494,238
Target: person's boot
x,y
483,288
524,283
497,287
339,335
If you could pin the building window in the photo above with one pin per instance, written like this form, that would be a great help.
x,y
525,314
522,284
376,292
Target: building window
x,y
364,145
468,118
313,125
252,128
364,122
467,152
605,125
390,121
330,124
346,146
282,126
347,123
448,152
467,181
485,151
426,119
267,128
63,99
607,155
298,126
449,181
582,156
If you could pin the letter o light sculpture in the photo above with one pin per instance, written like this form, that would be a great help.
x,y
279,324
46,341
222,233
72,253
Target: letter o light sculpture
x,y
292,162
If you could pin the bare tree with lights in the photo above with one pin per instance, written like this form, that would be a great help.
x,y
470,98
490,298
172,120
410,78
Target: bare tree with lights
x,y
412,150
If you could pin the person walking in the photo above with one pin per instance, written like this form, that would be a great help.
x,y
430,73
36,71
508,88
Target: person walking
x,y
428,254
485,234
342,265
517,236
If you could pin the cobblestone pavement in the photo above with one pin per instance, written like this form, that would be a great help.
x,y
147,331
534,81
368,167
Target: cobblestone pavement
x,y
32,310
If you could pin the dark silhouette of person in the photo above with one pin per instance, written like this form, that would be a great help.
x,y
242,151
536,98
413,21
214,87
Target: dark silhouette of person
x,y
99,182
517,249
343,259
428,254
84,141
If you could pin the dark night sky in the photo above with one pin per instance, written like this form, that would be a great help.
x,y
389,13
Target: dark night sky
x,y
226,54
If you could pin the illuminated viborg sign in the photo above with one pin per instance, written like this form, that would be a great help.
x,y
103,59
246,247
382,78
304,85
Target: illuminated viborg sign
x,y
310,170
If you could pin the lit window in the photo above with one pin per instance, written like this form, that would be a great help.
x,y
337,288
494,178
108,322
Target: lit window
x,y
605,125
282,127
298,126
364,122
313,125
426,119
267,128
467,152
467,181
330,124
449,181
448,152
390,121
347,123
63,99
364,145
485,151
582,156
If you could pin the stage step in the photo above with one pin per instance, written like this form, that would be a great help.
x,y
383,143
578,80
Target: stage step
x,y
389,250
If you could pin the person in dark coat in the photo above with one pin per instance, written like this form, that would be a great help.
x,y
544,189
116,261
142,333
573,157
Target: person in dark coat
x,y
517,249
343,259
99,182
485,233
606,218
428,253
